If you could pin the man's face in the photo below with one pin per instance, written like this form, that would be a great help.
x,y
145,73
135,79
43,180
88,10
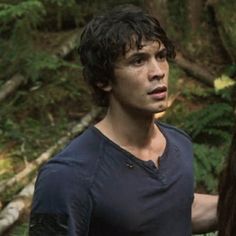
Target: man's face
x,y
141,78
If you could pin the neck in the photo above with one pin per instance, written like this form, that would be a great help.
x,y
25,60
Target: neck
x,y
128,128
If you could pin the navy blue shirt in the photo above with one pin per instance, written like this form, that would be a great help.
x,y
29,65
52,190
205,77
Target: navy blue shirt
x,y
93,187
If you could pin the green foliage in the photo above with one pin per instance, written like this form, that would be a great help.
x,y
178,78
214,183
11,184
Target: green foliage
x,y
210,128
10,129
214,122
175,81
207,164
18,51
60,11
71,13
61,3
196,92
36,62
230,70
17,45
226,16
178,15
19,23
22,58
31,11
20,230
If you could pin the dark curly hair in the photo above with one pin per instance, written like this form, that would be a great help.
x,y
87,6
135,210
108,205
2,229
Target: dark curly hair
x,y
108,36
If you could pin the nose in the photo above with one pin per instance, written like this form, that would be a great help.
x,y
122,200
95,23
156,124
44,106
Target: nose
x,y
156,70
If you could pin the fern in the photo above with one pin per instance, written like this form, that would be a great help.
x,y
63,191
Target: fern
x,y
32,10
36,62
207,164
215,121
18,22
210,129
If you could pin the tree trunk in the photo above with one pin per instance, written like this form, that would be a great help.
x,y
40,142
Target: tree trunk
x,y
226,24
195,9
158,8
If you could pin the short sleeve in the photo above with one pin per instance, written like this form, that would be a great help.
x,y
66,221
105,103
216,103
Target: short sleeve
x,y
61,204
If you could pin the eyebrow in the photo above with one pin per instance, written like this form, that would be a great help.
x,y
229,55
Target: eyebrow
x,y
137,54
164,49
143,54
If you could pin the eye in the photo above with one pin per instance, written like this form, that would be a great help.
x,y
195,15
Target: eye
x,y
162,55
138,61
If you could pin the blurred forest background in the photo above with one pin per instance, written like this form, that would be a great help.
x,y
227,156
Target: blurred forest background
x,y
43,96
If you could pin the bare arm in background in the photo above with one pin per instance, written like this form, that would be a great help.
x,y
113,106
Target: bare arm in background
x,y
204,213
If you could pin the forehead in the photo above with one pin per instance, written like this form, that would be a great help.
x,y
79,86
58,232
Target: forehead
x,y
145,46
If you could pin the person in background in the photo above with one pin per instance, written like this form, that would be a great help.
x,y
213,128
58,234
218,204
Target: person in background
x,y
227,193
128,174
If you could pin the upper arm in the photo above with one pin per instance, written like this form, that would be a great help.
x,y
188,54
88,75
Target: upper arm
x,y
61,204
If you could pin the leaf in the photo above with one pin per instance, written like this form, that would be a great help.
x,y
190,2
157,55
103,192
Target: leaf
x,y
223,82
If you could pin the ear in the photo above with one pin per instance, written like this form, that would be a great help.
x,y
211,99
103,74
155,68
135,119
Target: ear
x,y
106,88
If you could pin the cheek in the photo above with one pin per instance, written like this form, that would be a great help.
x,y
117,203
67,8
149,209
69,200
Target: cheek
x,y
167,75
166,71
128,78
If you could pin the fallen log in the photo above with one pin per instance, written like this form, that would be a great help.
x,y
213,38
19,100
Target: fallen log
x,y
68,45
31,167
62,51
11,85
11,213
195,70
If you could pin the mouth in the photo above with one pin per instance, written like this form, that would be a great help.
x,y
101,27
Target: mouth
x,y
159,92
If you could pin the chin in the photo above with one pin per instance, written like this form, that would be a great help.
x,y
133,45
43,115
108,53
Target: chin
x,y
160,111
161,107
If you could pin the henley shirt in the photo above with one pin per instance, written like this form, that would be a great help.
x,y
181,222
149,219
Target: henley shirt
x,y
93,187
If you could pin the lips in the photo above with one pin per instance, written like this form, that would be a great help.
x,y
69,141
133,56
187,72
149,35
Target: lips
x,y
157,90
159,93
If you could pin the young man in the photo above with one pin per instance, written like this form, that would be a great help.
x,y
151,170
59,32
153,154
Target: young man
x,y
127,175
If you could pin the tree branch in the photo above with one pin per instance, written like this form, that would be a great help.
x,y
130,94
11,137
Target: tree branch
x,y
11,85
195,70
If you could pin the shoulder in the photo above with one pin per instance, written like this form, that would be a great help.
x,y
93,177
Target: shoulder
x,y
88,141
173,131
79,157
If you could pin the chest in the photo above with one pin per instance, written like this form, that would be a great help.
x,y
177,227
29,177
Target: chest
x,y
133,197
